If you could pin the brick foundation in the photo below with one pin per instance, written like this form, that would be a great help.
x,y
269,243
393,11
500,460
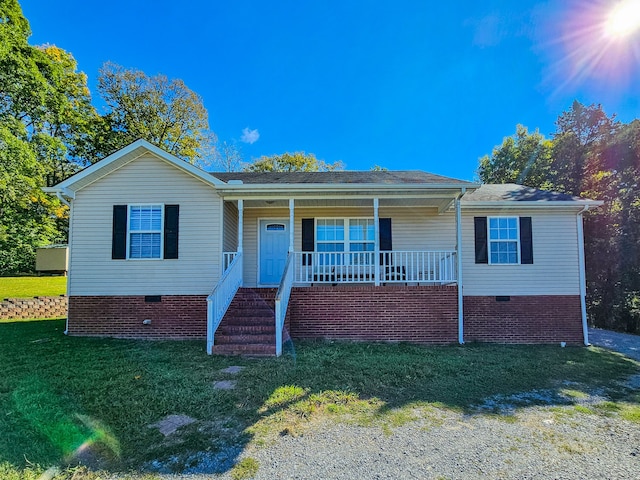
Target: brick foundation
x,y
523,319
174,316
37,307
391,313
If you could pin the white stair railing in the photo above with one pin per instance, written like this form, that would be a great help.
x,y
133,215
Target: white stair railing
x,y
282,300
220,299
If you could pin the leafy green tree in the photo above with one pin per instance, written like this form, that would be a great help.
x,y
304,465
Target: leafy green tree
x,y
524,158
164,112
45,118
293,162
581,132
593,156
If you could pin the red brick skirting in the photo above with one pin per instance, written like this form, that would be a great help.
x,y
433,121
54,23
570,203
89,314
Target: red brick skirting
x,y
389,313
523,319
174,316
37,307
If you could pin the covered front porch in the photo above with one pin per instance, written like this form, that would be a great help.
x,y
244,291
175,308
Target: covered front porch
x,y
330,238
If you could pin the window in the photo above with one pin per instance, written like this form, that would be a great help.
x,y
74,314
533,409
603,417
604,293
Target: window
x,y
503,240
330,235
346,235
361,235
145,231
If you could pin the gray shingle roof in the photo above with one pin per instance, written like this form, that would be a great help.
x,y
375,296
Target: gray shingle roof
x,y
516,193
363,177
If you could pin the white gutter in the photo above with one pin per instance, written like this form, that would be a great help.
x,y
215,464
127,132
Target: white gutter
x,y
459,264
582,275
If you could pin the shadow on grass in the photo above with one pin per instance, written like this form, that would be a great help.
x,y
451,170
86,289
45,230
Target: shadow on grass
x,y
92,400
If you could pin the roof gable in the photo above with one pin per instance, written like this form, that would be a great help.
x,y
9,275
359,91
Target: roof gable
x,y
123,156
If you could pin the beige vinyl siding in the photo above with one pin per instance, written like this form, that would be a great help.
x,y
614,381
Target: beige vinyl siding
x,y
413,228
555,258
230,231
146,180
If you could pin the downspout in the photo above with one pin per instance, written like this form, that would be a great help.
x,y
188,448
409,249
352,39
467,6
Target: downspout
x,y
582,275
66,202
459,265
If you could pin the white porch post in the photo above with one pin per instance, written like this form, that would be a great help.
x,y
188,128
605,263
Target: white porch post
x,y
291,220
459,265
240,224
376,248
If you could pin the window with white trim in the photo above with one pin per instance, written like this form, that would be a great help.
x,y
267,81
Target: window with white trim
x,y
345,235
145,231
504,240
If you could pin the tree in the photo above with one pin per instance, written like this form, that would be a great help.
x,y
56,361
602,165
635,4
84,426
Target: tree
x,y
524,158
293,162
228,157
45,114
166,113
593,156
581,132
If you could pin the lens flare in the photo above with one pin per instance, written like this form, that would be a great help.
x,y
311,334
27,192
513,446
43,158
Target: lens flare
x,y
623,20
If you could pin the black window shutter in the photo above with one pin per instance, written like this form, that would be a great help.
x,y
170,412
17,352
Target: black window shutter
x,y
386,243
385,234
526,241
171,226
308,239
119,233
480,231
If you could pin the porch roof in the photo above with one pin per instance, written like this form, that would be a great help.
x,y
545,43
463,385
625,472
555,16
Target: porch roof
x,y
397,177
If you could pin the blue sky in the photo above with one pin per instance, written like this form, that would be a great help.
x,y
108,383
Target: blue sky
x,y
401,84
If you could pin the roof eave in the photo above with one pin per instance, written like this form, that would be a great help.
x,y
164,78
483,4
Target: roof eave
x,y
531,204
266,187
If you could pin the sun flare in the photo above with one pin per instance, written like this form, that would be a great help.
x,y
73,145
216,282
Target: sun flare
x,y
623,19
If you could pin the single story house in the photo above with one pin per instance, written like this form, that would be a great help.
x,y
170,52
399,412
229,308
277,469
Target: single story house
x,y
162,249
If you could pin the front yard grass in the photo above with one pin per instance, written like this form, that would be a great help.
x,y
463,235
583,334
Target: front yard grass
x,y
28,287
64,398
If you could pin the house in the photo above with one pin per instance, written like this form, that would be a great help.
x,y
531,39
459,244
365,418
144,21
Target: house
x,y
162,249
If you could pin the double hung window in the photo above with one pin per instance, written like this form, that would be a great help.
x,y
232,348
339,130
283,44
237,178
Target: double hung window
x,y
145,231
504,240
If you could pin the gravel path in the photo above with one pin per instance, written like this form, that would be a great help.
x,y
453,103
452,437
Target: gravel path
x,y
538,442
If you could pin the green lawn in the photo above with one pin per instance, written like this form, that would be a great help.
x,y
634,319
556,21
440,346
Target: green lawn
x,y
59,393
27,287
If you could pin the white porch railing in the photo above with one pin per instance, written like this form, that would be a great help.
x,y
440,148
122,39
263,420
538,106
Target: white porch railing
x,y
282,300
394,266
227,258
220,299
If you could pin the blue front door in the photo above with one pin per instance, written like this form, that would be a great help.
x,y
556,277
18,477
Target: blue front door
x,y
274,247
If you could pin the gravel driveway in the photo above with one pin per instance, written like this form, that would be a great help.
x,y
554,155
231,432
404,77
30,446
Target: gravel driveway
x,y
619,342
562,440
